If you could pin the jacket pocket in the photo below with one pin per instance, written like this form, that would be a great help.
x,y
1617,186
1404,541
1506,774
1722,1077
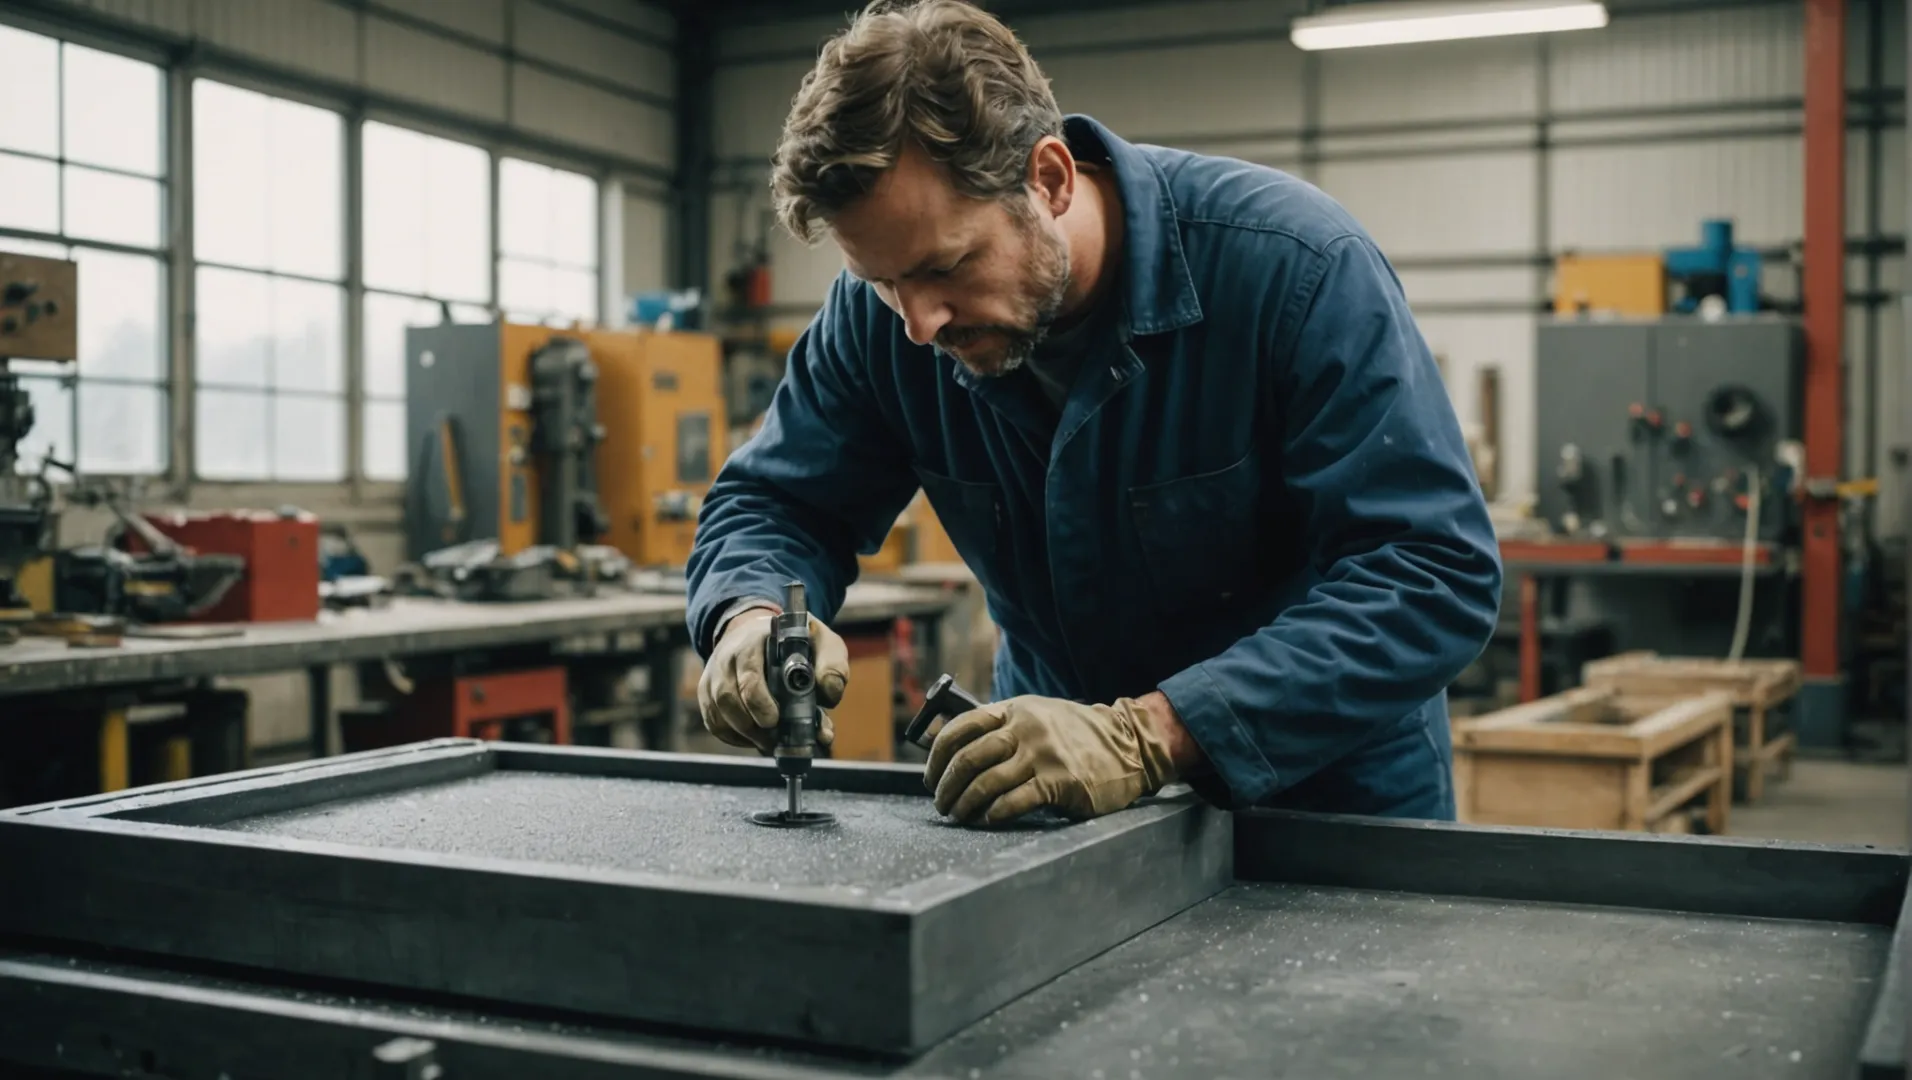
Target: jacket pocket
x,y
1197,536
970,511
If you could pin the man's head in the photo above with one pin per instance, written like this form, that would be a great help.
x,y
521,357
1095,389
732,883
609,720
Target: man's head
x,y
927,144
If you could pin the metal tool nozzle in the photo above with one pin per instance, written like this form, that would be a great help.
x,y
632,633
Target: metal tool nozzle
x,y
798,676
793,815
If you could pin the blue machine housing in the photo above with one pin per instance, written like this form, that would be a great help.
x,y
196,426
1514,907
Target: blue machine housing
x,y
1715,267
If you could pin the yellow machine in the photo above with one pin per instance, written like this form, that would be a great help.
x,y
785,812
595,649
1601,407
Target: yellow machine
x,y
916,537
530,435
932,542
1610,284
661,403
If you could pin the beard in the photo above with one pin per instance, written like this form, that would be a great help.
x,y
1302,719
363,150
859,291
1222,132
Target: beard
x,y
995,349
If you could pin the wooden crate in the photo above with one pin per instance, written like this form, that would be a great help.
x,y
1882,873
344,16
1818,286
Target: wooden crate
x,y
1762,743
1598,759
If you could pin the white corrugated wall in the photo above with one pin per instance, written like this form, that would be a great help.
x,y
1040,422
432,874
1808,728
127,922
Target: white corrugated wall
x,y
1664,118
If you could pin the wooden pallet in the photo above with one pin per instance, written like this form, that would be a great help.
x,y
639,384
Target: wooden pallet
x,y
1758,687
1598,758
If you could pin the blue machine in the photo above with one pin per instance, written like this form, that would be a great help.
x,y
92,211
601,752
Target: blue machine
x,y
667,309
1715,268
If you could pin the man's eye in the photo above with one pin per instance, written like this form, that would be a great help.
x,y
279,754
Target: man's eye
x,y
945,271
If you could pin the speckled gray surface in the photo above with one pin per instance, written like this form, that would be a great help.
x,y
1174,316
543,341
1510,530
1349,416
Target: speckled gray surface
x,y
1289,981
880,842
1271,980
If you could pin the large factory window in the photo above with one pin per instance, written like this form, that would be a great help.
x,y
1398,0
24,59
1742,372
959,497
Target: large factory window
x,y
268,185
547,244
82,176
427,245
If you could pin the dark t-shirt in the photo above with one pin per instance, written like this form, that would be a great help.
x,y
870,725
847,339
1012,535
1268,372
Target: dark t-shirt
x,y
1059,357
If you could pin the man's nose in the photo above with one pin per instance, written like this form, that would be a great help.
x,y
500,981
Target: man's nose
x,y
924,314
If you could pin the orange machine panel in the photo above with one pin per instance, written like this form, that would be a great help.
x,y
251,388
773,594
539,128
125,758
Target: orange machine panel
x,y
865,720
517,469
890,557
39,316
660,400
1616,284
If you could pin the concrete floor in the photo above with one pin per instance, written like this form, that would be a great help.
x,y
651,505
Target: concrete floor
x,y
1835,802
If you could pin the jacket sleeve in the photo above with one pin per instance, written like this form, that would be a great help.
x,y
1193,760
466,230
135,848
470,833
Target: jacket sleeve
x,y
822,480
1407,567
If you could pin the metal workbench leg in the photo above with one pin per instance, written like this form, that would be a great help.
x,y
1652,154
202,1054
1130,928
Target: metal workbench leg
x,y
318,688
114,754
658,729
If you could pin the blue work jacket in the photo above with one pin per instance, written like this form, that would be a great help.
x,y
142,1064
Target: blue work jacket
x,y
1258,501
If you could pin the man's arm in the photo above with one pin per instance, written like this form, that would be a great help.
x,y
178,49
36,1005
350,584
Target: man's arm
x,y
823,479
1399,534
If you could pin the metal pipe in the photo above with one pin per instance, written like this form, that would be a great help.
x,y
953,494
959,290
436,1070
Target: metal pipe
x,y
1875,177
1824,295
1529,638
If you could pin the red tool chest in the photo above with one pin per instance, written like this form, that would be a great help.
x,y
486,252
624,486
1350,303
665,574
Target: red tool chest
x,y
281,582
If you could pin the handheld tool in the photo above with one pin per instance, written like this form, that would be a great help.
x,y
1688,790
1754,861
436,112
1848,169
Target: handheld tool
x,y
790,667
944,701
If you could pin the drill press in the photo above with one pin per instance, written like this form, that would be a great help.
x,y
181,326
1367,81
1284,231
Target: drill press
x,y
37,321
790,668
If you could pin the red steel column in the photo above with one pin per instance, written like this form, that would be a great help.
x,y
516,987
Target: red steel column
x,y
1529,638
1825,321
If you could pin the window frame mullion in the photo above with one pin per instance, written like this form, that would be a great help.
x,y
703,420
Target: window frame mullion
x,y
353,161
181,282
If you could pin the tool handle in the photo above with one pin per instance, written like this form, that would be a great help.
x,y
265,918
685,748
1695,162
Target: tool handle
x,y
944,699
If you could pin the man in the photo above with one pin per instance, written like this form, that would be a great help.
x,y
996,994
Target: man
x,y
1172,410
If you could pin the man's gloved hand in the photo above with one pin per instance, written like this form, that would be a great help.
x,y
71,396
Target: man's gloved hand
x,y
734,693
1001,761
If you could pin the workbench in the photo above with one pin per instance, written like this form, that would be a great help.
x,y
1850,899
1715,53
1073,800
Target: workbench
x,y
1331,946
648,626
1536,564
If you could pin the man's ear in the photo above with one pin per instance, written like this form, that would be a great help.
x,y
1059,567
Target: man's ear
x,y
1052,174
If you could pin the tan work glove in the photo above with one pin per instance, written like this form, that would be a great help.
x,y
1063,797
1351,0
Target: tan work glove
x,y
999,762
734,695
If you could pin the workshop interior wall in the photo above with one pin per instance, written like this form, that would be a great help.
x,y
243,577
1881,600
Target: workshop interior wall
x,y
1474,163
481,71
478,70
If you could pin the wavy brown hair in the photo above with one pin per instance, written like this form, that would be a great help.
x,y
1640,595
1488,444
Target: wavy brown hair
x,y
943,73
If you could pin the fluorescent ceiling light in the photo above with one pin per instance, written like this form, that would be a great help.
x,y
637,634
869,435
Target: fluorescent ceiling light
x,y
1356,25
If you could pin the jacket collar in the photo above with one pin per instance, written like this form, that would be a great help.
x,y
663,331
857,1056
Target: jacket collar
x,y
1160,291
